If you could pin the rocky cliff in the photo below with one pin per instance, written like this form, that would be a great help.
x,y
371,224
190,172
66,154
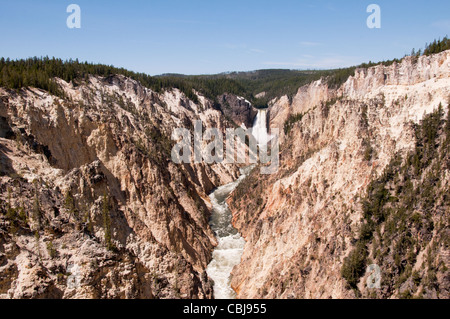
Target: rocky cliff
x,y
355,164
91,206
237,109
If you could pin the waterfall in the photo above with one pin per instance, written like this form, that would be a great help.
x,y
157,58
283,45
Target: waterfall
x,y
259,130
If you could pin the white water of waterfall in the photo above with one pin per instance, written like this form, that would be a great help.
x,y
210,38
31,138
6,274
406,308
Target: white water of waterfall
x,y
259,130
231,245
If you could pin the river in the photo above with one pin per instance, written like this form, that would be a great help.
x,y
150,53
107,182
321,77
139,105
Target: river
x,y
231,245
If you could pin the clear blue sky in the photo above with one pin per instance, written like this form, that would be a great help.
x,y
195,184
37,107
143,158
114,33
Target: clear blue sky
x,y
212,36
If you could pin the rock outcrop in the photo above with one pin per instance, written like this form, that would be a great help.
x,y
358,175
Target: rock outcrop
x,y
238,109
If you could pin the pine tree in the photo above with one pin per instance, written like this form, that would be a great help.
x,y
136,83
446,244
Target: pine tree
x,y
36,207
107,222
69,205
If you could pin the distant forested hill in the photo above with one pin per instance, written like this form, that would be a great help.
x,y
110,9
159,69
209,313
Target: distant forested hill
x,y
40,73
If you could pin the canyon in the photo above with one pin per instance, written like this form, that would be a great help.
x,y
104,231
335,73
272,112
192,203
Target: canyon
x,y
92,206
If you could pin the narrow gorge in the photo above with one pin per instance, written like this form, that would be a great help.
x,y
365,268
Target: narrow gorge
x,y
228,252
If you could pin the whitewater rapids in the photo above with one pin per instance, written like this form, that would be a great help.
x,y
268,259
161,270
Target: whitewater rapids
x,y
231,245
